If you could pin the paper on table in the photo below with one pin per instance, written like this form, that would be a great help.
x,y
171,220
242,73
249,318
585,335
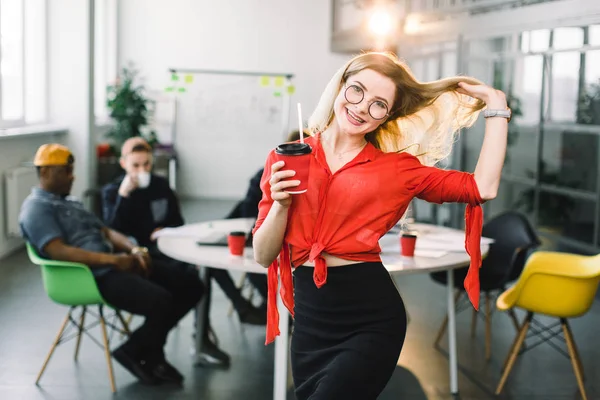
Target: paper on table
x,y
449,241
430,253
453,237
182,231
427,244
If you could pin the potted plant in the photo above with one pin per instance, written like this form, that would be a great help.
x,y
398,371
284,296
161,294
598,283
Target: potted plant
x,y
129,109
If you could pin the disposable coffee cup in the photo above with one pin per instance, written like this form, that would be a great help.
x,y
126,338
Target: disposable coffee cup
x,y
236,241
408,241
143,179
297,158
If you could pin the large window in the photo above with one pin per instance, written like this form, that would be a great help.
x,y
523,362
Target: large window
x,y
22,62
552,78
105,54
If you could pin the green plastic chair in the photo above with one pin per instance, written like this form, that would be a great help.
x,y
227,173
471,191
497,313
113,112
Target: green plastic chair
x,y
73,285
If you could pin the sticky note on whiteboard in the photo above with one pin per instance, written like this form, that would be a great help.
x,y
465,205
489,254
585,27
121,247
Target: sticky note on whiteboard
x,y
279,81
265,81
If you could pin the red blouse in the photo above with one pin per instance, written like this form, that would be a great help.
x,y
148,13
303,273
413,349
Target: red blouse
x,y
346,213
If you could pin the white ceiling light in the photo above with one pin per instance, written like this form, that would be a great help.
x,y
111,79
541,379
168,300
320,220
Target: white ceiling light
x,y
381,22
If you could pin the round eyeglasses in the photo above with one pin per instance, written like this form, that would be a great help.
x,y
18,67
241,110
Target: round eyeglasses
x,y
354,94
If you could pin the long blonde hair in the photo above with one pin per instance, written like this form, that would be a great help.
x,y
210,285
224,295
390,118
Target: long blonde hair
x,y
425,118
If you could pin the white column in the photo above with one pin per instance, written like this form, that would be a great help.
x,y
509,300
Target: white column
x,y
452,334
281,353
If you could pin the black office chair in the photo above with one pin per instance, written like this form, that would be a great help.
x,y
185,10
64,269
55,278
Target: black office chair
x,y
514,239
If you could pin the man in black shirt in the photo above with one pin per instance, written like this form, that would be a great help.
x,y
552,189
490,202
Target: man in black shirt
x,y
141,203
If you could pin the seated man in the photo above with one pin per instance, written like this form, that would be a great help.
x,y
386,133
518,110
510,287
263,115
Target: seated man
x,y
139,204
127,277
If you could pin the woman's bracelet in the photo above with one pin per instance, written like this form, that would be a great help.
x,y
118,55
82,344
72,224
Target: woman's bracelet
x,y
498,113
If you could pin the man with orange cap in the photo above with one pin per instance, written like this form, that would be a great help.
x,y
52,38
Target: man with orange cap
x,y
59,228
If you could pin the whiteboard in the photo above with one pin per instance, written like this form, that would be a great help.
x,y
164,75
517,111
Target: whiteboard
x,y
225,127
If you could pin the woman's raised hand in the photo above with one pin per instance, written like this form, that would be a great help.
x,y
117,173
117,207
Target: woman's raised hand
x,y
493,98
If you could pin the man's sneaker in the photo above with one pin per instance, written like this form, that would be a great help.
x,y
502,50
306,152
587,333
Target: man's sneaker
x,y
211,356
141,369
252,315
165,372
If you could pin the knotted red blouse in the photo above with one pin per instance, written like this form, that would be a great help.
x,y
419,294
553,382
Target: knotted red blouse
x,y
346,213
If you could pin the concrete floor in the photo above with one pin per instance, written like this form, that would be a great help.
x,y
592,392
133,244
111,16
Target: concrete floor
x,y
29,322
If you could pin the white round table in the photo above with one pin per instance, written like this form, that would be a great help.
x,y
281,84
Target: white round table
x,y
181,244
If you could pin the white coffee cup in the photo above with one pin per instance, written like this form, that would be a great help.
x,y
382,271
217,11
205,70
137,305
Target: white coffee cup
x,y
143,179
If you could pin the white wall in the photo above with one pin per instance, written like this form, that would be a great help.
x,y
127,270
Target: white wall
x,y
13,152
250,35
70,77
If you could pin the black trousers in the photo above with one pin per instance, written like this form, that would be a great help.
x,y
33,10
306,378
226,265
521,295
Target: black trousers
x,y
348,334
163,298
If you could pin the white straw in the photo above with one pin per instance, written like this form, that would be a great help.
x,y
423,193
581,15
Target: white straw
x,y
300,125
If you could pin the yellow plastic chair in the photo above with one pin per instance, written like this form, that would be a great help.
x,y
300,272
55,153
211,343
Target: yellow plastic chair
x,y
559,285
73,285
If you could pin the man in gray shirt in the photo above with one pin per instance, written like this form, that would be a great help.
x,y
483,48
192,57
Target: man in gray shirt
x,y
60,228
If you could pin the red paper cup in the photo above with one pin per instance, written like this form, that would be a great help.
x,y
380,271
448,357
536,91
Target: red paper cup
x,y
297,158
407,244
236,242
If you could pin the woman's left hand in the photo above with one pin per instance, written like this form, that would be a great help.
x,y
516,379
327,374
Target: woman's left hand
x,y
493,98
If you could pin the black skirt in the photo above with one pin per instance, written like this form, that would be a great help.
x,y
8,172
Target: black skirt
x,y
348,334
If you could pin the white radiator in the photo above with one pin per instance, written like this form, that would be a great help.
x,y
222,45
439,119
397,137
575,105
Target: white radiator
x,y
17,186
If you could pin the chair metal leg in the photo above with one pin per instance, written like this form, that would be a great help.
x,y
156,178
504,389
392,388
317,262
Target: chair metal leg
x,y
54,344
445,322
514,352
251,295
80,331
240,285
488,327
111,375
124,322
515,320
473,323
574,356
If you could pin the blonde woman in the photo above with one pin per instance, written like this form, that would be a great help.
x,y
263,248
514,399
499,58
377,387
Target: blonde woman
x,y
350,321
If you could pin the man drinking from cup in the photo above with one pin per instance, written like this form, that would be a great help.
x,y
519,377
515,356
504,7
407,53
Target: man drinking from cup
x,y
141,203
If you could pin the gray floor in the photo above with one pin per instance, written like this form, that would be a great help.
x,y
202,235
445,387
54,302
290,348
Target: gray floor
x,y
29,322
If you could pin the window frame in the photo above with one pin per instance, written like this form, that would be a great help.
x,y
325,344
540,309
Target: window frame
x,y
106,53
